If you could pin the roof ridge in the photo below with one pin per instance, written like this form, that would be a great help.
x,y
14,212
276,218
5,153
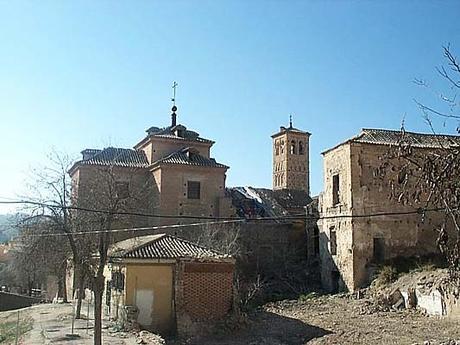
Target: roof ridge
x,y
141,246
194,244
410,132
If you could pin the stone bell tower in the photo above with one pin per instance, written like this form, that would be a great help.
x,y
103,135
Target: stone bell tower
x,y
291,165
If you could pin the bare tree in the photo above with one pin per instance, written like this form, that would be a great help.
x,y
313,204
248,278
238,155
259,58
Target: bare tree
x,y
39,254
50,197
430,178
108,200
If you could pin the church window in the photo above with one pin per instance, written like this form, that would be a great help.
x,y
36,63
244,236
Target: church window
x,y
277,148
292,148
193,190
300,148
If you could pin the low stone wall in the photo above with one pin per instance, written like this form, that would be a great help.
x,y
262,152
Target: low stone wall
x,y
10,301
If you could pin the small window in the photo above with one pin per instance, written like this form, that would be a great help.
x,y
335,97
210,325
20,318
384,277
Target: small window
x,y
193,190
333,240
379,250
300,148
122,189
292,148
316,241
118,281
335,189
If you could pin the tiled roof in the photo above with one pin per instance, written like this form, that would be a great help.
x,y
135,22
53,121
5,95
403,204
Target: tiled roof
x,y
114,156
188,156
170,132
161,246
289,129
392,137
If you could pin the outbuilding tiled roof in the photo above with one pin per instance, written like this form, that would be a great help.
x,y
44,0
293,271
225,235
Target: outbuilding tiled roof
x,y
114,156
393,137
189,156
161,246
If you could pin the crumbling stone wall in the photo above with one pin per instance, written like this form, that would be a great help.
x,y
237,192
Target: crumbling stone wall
x,y
336,269
364,238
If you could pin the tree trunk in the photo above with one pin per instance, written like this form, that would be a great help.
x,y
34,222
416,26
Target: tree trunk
x,y
60,293
64,282
80,291
98,293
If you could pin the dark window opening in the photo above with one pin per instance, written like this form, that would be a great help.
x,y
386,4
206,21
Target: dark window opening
x,y
118,281
379,250
335,189
293,150
316,241
193,190
122,190
333,240
300,148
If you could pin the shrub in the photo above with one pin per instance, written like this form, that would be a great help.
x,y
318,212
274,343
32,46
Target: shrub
x,y
387,275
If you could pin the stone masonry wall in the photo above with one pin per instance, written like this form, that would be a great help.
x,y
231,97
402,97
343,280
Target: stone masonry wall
x,y
336,162
406,235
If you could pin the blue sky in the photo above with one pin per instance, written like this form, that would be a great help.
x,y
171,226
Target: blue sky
x,y
84,74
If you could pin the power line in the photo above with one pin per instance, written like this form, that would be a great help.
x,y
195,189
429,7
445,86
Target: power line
x,y
419,211
159,227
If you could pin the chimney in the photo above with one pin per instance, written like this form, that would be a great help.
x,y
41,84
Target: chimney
x,y
173,116
89,153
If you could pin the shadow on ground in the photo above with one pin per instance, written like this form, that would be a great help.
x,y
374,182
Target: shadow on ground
x,y
266,328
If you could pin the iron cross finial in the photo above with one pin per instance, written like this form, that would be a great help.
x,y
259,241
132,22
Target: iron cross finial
x,y
290,120
174,93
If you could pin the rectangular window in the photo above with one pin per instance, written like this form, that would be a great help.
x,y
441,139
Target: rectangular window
x,y
122,189
333,240
193,190
379,250
335,189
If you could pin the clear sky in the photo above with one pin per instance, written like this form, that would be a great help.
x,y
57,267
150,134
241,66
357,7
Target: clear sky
x,y
90,74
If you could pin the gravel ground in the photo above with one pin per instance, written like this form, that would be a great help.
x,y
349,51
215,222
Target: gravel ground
x,y
340,319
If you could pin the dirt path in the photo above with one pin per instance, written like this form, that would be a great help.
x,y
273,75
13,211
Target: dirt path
x,y
52,324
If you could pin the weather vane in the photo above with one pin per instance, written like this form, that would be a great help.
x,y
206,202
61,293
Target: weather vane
x,y
174,93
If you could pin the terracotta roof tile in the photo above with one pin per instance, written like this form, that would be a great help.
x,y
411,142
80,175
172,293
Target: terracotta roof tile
x,y
115,156
161,246
393,137
188,156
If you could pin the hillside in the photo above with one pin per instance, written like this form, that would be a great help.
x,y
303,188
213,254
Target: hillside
x,y
7,227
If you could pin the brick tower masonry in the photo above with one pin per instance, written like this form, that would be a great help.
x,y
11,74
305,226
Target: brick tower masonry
x,y
291,167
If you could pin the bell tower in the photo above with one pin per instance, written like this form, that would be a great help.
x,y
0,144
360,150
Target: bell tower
x,y
291,165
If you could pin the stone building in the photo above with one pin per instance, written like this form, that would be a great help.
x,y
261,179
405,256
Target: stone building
x,y
170,171
354,240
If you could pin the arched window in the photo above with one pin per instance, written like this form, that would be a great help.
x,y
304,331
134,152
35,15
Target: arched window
x,y
292,148
300,148
282,146
277,147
